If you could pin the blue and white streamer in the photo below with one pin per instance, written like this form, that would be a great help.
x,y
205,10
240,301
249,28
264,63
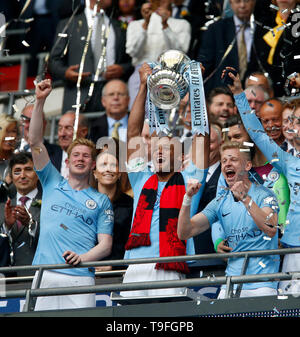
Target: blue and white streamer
x,y
157,117
197,99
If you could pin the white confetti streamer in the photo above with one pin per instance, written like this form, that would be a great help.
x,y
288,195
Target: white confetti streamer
x,y
26,44
253,78
15,108
274,7
29,20
282,297
248,144
262,264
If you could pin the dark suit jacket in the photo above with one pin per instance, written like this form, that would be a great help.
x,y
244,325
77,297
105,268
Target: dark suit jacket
x,y
55,154
123,209
198,16
287,47
98,128
23,244
59,62
203,242
12,10
214,45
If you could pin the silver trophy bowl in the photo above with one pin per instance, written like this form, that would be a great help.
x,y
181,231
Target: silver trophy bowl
x,y
167,86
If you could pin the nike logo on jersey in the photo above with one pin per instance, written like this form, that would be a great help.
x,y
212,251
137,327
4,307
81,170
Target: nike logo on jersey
x,y
225,214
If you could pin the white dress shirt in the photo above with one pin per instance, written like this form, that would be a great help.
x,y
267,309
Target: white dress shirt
x,y
184,6
122,130
211,170
23,145
31,195
64,171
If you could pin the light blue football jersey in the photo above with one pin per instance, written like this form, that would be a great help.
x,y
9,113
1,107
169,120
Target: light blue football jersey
x,y
242,234
137,180
70,220
283,161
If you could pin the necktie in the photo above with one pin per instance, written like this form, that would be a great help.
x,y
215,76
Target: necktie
x,y
115,132
178,12
242,50
272,36
26,148
23,201
98,39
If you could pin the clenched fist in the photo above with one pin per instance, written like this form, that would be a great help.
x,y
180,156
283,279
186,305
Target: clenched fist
x,y
43,89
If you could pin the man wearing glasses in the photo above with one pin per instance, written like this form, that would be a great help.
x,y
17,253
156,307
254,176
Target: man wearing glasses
x,y
53,149
113,123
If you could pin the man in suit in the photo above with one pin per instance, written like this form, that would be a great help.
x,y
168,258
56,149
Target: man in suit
x,y
40,32
180,9
65,137
20,216
235,31
113,123
203,242
199,13
66,56
52,149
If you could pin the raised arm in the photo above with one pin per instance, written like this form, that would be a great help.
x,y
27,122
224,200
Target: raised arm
x,y
36,140
137,114
275,155
187,226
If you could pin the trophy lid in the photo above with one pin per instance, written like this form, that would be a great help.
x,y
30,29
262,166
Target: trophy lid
x,y
174,60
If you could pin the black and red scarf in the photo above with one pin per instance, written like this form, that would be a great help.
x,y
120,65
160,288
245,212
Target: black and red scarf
x,y
170,204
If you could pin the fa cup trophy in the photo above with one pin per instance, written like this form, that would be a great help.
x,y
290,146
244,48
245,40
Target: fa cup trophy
x,y
167,84
174,76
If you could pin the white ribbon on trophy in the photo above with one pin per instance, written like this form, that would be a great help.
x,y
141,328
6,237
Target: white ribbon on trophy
x,y
197,99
